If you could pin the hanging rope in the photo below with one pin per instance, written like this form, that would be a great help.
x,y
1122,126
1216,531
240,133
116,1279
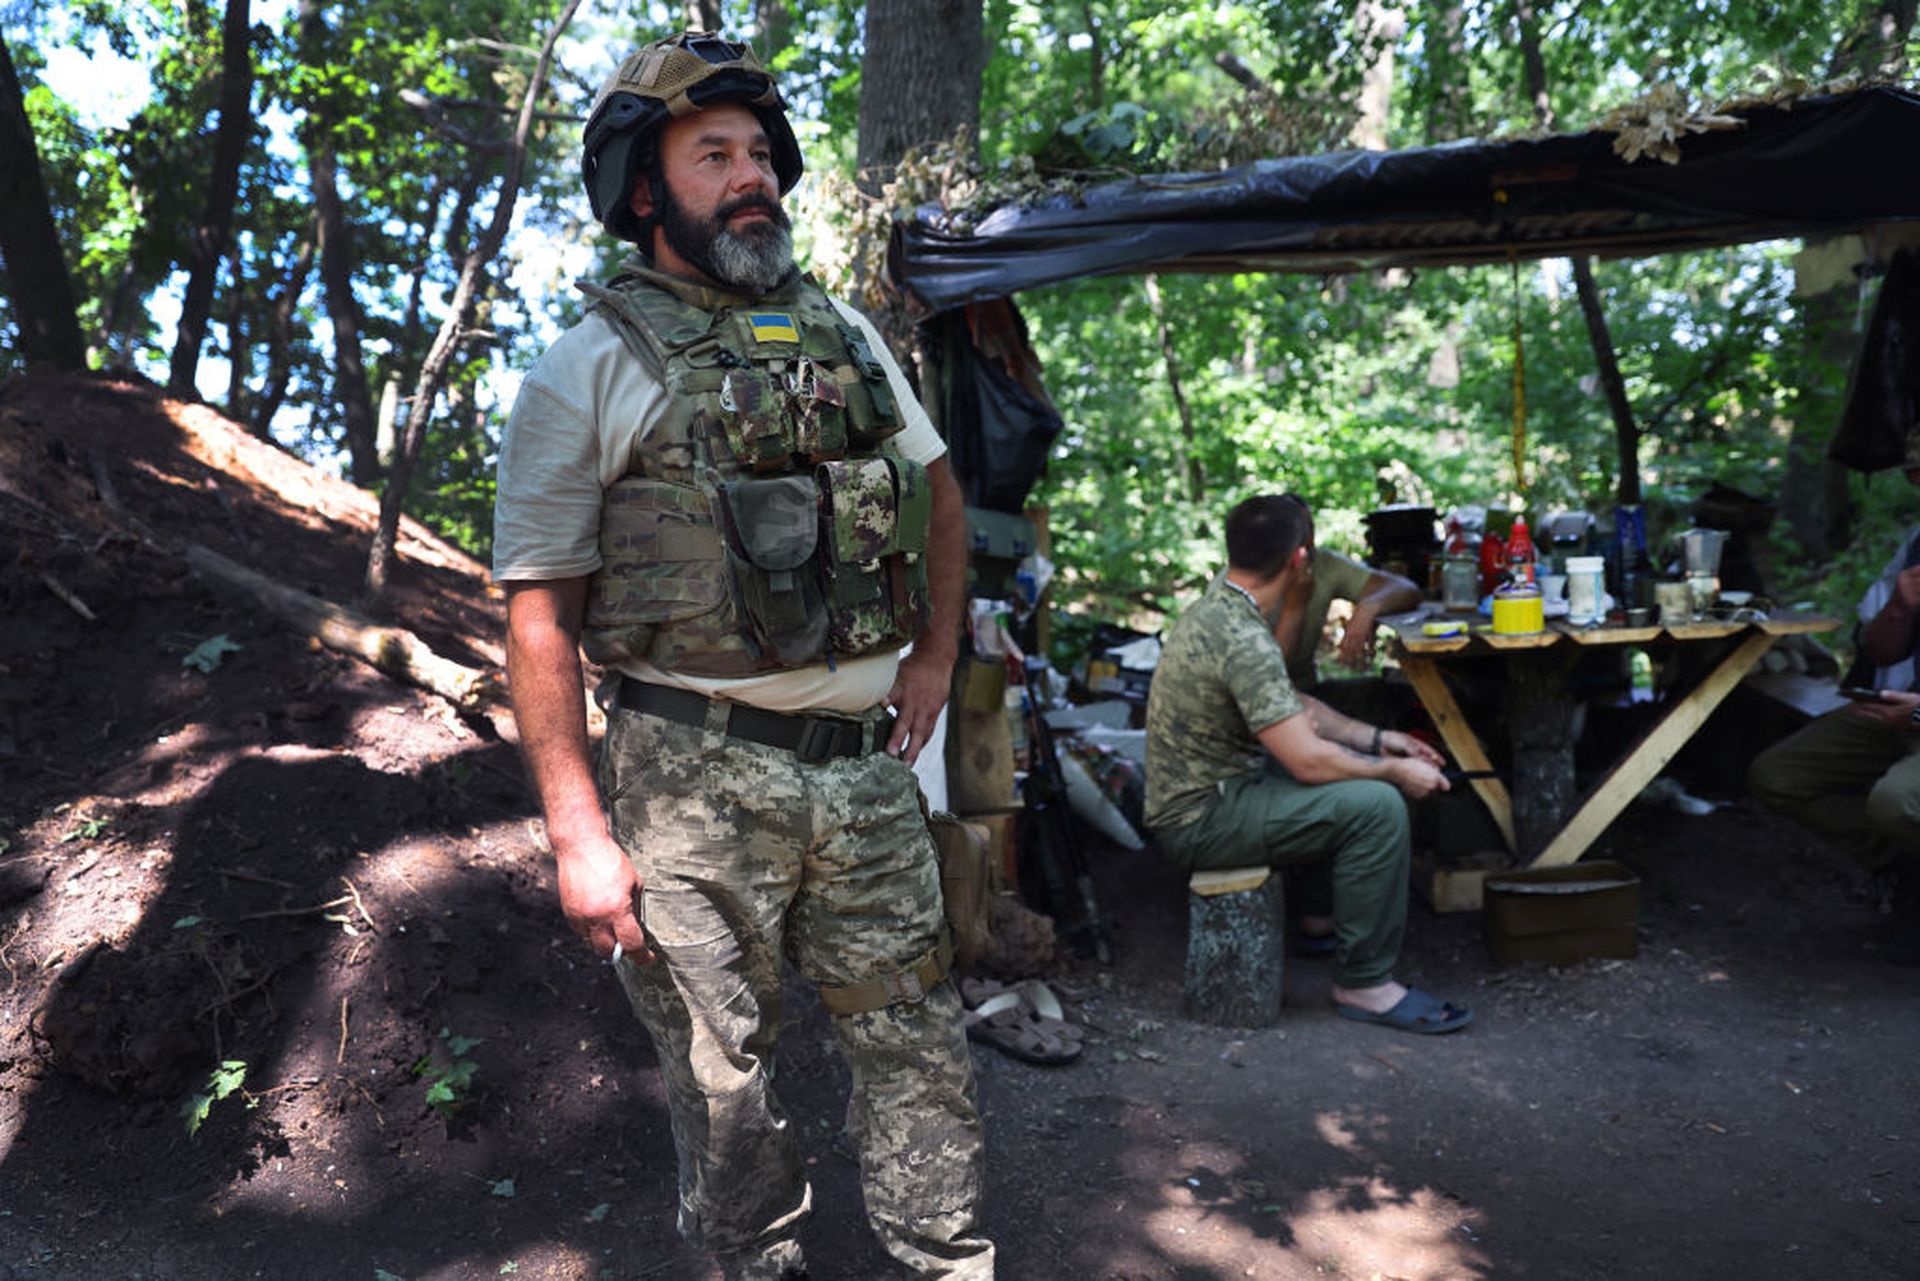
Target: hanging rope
x,y
1519,384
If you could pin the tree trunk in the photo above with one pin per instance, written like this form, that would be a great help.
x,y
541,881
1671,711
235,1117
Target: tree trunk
x,y
209,243
239,351
459,312
35,268
772,28
1096,58
919,82
1449,106
280,338
336,270
1377,28
1607,363
1626,433
702,15
1189,434
1814,497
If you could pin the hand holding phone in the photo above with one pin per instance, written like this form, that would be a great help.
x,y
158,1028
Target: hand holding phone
x,y
1861,694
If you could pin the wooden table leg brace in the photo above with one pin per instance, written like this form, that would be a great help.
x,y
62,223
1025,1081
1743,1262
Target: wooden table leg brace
x,y
1424,675
1651,754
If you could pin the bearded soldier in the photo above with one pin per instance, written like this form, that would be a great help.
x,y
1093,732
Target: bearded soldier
x,y
720,486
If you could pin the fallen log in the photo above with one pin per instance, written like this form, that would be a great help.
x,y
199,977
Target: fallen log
x,y
392,650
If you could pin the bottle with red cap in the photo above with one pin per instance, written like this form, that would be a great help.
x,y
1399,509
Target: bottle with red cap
x,y
1522,569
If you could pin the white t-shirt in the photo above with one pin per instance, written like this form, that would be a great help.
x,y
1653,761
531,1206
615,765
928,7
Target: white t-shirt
x,y
570,437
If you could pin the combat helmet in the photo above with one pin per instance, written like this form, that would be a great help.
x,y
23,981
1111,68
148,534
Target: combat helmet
x,y
657,82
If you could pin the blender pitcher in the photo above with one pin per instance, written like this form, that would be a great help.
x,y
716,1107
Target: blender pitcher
x,y
1700,549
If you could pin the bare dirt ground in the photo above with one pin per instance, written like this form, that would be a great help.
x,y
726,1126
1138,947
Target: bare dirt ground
x,y
333,880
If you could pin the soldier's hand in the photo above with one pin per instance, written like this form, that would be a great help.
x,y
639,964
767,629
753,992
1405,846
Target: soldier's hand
x,y
600,896
1394,743
1894,709
1417,779
919,692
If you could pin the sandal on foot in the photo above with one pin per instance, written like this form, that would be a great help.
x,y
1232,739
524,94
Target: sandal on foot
x,y
1006,1023
1418,1012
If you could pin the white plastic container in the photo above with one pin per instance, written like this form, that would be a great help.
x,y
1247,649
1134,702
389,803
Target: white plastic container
x,y
1586,577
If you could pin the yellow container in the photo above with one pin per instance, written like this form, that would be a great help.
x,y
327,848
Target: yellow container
x,y
1518,611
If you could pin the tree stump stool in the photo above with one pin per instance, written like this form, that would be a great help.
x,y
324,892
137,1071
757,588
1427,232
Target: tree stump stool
x,y
1236,946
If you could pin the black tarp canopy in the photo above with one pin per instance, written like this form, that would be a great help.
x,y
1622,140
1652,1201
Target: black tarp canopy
x,y
1822,166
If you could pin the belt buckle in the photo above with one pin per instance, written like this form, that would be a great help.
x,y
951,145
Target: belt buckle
x,y
905,986
819,738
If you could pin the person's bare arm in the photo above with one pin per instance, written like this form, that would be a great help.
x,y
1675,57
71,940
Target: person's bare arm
x,y
1888,636
1310,756
920,689
1384,594
599,889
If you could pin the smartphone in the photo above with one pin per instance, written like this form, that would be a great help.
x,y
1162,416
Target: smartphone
x,y
1861,694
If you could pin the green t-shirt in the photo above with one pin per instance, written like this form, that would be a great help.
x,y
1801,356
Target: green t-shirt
x,y
1335,577
1220,680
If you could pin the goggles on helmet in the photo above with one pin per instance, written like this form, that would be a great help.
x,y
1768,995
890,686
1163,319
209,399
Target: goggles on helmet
x,y
664,80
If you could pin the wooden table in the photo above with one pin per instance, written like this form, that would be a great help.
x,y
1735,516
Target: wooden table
x,y
1552,821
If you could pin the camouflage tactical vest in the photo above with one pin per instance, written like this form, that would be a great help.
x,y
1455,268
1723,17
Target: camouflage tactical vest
x,y
758,526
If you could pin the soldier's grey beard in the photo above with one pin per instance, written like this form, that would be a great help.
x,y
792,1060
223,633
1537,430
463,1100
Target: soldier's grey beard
x,y
753,261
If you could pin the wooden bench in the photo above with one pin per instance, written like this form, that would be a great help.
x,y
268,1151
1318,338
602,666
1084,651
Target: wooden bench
x,y
1236,946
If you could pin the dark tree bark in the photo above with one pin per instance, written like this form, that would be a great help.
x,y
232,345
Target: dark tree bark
x,y
702,15
280,338
1813,495
1448,106
772,28
336,271
1189,433
455,328
1606,362
920,80
239,350
209,243
36,270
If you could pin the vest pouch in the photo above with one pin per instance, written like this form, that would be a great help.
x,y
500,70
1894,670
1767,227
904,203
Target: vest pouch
x,y
872,415
772,531
660,562
755,418
817,406
876,512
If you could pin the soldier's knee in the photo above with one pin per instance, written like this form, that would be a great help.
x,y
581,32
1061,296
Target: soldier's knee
x,y
1893,811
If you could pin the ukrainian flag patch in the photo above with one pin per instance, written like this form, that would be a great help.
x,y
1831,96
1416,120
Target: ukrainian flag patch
x,y
773,326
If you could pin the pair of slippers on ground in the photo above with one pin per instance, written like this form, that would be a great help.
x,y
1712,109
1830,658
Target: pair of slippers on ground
x,y
1024,1020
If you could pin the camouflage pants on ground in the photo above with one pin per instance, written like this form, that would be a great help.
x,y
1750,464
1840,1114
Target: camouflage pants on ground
x,y
747,854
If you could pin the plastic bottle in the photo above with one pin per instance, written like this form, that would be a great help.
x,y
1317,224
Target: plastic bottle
x,y
1522,569
1460,571
1493,560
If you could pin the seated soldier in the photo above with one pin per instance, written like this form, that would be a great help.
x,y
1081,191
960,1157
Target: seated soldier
x,y
1303,614
1244,770
1853,775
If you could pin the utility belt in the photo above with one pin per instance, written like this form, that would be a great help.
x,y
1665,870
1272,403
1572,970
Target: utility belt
x,y
813,738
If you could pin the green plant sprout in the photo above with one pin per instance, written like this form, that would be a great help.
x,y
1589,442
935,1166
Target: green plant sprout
x,y
449,1084
223,1081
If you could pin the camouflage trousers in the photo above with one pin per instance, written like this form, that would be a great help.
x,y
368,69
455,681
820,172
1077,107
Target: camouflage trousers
x,y
748,855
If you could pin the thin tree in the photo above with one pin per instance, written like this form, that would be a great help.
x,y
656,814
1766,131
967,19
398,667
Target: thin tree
x,y
34,267
350,387
208,246
453,329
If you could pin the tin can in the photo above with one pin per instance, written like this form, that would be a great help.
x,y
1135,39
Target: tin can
x,y
1518,611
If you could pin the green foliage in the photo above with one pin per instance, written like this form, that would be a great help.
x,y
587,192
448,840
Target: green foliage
x,y
222,1083
87,829
449,1075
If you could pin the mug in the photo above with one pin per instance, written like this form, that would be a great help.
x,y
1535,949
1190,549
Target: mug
x,y
1675,601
